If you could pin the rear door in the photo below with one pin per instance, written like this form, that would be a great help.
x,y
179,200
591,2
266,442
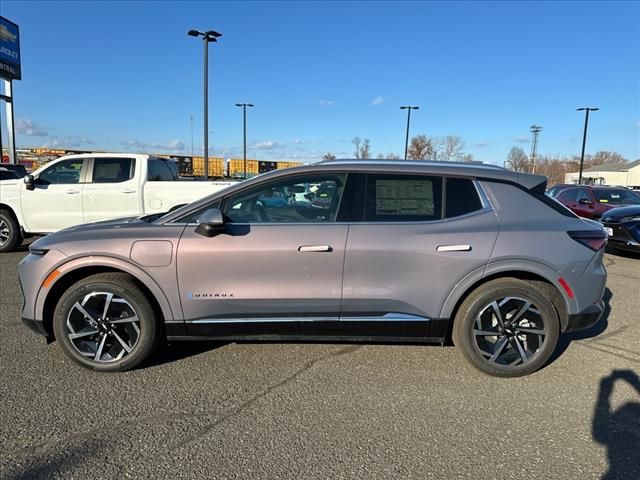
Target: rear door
x,y
416,238
111,190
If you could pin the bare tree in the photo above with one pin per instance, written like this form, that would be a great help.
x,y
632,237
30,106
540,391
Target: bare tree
x,y
453,147
604,156
328,156
467,157
438,149
517,160
420,148
356,142
365,149
392,156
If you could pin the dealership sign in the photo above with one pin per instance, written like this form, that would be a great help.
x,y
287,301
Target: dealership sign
x,y
9,50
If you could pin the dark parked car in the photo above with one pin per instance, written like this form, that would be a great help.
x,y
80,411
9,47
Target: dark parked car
x,y
593,201
382,251
623,227
6,174
19,170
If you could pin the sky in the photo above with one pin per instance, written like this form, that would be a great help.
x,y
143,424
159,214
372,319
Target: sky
x,y
124,76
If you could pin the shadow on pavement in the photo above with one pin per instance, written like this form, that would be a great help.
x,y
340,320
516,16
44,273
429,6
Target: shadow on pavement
x,y
618,430
565,339
181,350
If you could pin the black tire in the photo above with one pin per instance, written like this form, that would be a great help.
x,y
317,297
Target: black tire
x,y
10,234
524,336
129,301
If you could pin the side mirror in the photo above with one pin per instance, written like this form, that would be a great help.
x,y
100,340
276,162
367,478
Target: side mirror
x,y
584,201
211,223
30,182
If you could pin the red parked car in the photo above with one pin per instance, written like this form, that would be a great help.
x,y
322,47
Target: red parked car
x,y
592,201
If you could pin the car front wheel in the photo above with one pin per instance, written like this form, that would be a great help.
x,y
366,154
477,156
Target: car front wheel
x,y
105,322
506,328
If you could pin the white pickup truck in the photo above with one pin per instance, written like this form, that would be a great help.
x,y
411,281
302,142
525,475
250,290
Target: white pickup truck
x,y
85,188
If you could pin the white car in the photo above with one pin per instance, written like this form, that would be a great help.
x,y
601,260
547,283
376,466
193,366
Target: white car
x,y
85,188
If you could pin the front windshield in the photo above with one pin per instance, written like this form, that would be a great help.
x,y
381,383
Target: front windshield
x,y
617,196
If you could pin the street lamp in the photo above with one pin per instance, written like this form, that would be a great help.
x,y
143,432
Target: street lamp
x,y
244,130
535,130
208,36
584,136
408,108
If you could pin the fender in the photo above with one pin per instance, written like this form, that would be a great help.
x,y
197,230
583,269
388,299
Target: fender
x,y
70,265
504,266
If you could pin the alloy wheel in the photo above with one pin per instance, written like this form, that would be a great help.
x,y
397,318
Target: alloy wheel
x,y
509,331
5,233
103,327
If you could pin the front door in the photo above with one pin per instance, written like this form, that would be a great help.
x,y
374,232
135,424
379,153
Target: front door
x,y
418,237
56,200
277,265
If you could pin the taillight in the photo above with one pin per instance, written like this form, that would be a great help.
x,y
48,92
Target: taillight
x,y
593,239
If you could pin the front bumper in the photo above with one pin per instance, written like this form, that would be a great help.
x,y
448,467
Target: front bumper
x,y
37,326
586,318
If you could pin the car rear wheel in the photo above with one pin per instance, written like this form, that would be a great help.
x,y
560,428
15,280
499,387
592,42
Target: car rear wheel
x,y
10,235
105,322
507,328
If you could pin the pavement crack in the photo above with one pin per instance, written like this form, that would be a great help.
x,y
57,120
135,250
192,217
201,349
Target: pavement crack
x,y
291,378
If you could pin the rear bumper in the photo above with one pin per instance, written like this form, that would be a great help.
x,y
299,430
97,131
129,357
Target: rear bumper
x,y
586,318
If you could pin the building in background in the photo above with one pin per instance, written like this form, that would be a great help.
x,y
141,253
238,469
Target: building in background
x,y
615,174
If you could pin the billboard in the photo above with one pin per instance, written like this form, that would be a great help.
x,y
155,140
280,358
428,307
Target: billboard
x,y
9,50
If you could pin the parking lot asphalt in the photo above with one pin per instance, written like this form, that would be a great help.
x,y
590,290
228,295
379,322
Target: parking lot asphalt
x,y
309,410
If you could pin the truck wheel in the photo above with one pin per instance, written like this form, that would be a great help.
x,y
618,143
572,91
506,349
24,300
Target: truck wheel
x,y
105,322
10,235
507,328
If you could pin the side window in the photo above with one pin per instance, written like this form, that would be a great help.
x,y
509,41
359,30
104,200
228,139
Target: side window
x,y
311,199
461,197
583,195
113,170
570,195
162,170
64,172
403,198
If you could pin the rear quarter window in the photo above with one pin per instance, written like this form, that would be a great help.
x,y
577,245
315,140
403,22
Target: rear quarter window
x,y
461,197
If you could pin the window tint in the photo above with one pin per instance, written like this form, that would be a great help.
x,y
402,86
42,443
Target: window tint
x,y
64,172
583,195
7,174
113,170
570,195
313,199
616,196
162,170
403,198
461,197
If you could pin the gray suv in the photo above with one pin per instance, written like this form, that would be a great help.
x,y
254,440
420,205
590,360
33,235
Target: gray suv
x,y
370,251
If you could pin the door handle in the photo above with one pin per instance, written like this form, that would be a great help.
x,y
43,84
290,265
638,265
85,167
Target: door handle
x,y
71,191
453,248
315,248
128,190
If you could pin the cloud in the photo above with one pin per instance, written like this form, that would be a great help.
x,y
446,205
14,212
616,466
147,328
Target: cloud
x,y
68,142
268,145
25,126
480,145
521,139
172,145
326,103
377,101
297,141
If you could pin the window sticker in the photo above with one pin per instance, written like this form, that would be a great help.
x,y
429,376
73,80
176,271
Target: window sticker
x,y
404,197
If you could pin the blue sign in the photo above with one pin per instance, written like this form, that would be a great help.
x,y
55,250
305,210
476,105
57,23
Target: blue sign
x,y
9,50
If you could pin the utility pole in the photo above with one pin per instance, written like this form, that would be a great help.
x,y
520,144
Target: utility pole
x,y
535,131
584,136
408,108
191,121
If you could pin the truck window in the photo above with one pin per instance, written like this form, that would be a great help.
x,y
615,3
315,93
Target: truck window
x,y
64,172
162,170
113,170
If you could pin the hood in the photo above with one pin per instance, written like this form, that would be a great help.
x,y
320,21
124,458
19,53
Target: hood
x,y
105,224
616,214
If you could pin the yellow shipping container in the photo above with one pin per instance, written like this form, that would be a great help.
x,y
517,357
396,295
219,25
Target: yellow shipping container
x,y
282,165
236,167
216,167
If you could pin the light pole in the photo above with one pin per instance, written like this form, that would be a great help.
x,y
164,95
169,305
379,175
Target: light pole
x,y
208,36
244,130
535,130
584,136
408,108
191,122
